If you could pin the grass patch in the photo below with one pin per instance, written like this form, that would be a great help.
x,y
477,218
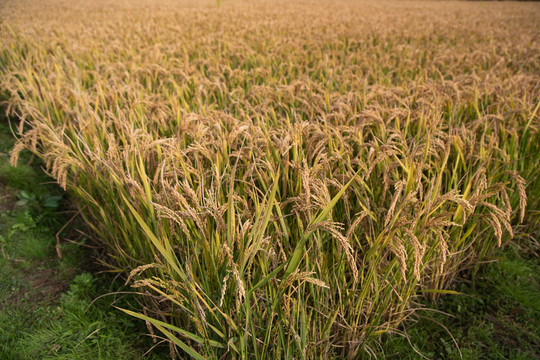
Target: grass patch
x,y
48,306
496,317
70,327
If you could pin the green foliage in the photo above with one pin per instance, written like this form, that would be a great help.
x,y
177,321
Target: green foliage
x,y
74,328
47,311
37,201
20,176
495,318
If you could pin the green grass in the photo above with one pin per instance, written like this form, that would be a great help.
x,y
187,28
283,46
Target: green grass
x,y
48,306
497,317
73,328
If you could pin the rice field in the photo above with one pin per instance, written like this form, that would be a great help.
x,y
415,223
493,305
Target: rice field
x,y
283,179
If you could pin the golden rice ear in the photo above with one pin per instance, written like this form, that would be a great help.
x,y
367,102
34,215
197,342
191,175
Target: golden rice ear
x,y
521,187
359,217
15,152
397,194
400,252
138,270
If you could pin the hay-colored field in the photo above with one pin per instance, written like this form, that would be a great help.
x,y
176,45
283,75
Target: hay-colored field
x,y
283,179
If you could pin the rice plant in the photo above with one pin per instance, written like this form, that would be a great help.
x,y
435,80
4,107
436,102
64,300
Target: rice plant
x,y
283,180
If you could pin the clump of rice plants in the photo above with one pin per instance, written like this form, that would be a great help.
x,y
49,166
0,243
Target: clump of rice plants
x,y
284,180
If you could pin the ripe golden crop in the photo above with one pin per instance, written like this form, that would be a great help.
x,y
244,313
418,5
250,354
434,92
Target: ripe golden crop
x,y
283,178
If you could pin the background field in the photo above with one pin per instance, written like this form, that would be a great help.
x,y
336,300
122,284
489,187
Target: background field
x,y
287,179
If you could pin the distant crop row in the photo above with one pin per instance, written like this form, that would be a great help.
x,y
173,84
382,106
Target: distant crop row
x,y
283,181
